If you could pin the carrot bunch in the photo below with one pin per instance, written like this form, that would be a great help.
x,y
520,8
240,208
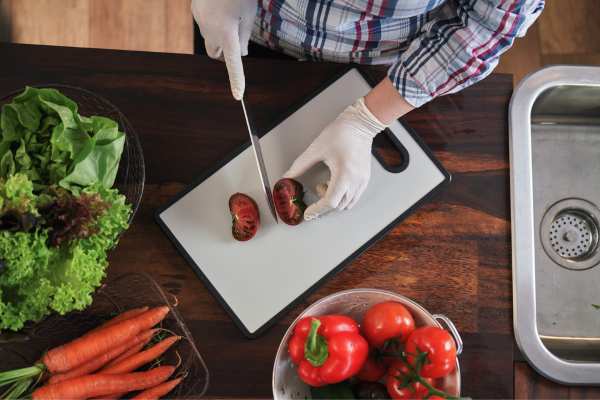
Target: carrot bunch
x,y
101,363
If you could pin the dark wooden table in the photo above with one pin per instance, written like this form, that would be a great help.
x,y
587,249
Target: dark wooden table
x,y
452,255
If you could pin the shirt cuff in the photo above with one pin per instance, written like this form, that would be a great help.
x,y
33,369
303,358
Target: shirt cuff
x,y
410,88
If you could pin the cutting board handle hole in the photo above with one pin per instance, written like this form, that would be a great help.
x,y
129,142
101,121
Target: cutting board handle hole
x,y
389,152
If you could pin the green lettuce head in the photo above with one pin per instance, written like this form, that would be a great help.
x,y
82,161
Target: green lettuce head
x,y
37,278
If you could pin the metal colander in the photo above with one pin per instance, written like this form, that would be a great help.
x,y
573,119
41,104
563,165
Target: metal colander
x,y
355,303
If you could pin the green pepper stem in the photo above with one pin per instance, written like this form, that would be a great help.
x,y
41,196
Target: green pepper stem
x,y
312,336
315,347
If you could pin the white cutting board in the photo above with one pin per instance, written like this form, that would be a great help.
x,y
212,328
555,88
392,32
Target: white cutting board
x,y
258,279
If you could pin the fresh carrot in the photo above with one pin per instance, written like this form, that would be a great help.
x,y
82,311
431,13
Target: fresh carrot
x,y
98,362
137,360
134,362
158,391
134,350
114,396
134,312
88,367
71,355
96,385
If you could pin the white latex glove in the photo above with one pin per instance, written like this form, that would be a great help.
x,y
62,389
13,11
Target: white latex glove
x,y
345,147
226,26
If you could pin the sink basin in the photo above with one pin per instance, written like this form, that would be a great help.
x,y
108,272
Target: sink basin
x,y
554,121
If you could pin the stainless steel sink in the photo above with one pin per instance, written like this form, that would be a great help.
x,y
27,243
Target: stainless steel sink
x,y
554,121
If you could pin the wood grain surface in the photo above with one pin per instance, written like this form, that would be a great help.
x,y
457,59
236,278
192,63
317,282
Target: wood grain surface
x,y
150,25
569,27
452,255
50,22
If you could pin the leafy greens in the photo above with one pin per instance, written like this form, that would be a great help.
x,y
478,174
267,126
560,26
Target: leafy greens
x,y
37,277
59,215
45,138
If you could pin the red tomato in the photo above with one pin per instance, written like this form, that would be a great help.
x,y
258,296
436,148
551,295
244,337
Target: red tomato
x,y
399,386
440,349
245,217
372,371
288,196
385,321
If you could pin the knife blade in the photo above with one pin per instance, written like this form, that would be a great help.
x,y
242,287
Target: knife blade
x,y
260,163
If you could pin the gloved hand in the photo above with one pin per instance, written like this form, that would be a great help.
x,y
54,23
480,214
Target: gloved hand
x,y
345,147
226,26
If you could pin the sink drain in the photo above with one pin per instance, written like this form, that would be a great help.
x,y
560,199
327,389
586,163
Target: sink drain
x,y
569,233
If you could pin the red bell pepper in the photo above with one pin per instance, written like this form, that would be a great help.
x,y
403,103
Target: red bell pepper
x,y
327,349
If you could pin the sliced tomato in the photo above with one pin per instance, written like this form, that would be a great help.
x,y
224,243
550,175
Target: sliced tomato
x,y
245,217
288,196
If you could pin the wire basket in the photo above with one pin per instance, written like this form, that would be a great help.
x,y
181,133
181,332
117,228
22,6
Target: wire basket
x,y
125,292
131,172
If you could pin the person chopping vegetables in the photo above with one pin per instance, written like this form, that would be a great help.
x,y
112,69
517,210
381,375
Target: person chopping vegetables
x,y
433,47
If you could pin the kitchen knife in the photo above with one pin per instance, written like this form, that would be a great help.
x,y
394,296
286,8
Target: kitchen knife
x,y
260,163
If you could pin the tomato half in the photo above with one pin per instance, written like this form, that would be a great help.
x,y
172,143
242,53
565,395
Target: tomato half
x,y
385,321
288,196
245,217
400,386
440,349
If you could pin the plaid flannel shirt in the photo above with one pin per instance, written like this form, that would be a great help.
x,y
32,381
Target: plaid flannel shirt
x,y
433,47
